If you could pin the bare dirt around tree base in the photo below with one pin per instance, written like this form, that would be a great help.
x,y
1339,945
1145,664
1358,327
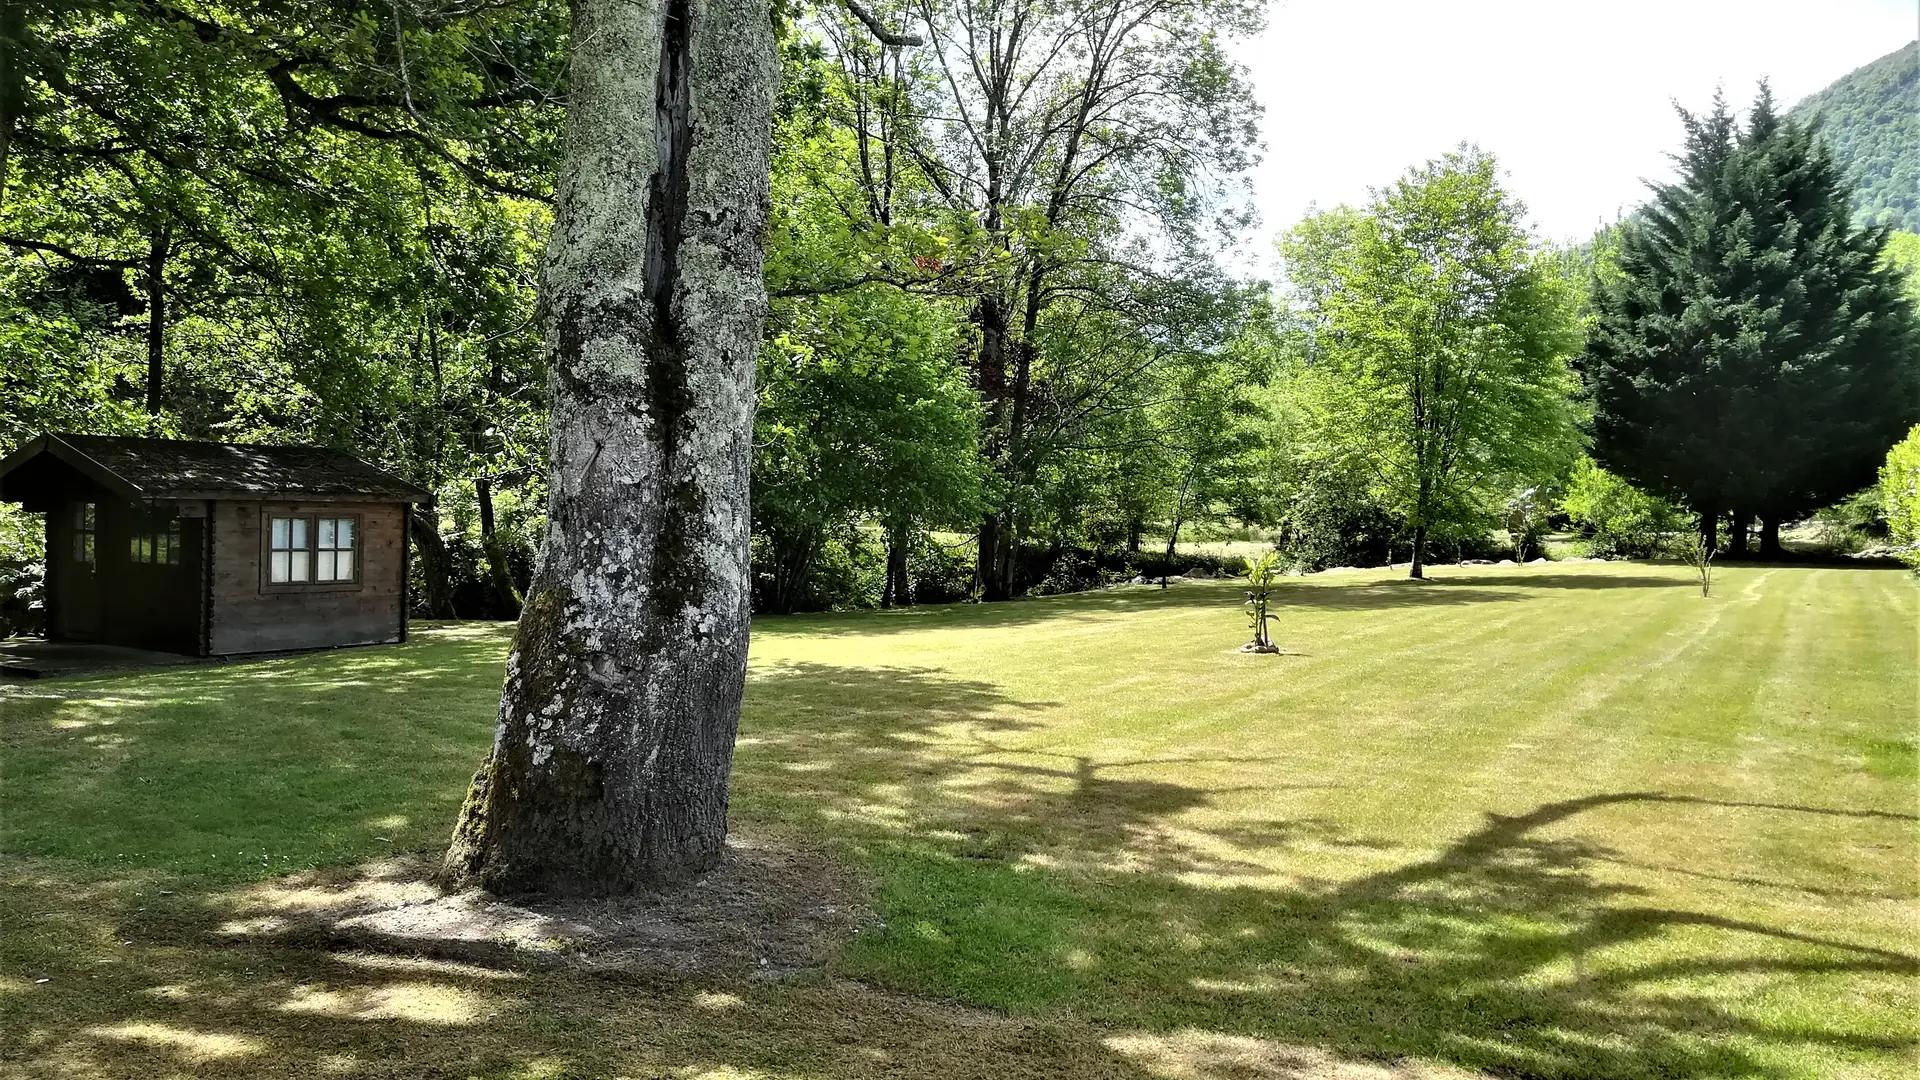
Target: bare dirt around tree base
x,y
770,909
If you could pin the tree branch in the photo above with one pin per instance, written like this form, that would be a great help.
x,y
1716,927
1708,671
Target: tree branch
x,y
878,29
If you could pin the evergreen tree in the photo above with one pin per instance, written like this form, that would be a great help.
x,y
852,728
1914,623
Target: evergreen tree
x,y
1753,354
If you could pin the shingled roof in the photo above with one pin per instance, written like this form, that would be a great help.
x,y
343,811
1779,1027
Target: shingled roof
x,y
161,469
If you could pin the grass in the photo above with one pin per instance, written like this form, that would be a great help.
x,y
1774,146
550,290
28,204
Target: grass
x,y
1570,821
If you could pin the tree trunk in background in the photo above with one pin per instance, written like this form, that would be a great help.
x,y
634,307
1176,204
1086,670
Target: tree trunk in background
x,y
1737,534
506,603
991,558
611,761
1710,528
160,244
898,591
13,44
423,525
1417,559
1770,536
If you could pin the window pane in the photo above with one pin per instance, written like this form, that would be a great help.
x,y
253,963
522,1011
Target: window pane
x,y
89,554
280,532
299,571
278,570
346,534
299,532
325,566
326,533
346,565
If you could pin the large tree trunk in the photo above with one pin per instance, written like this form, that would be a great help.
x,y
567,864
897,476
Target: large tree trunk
x,y
423,525
1417,565
1710,528
506,602
897,592
1737,529
611,760
1770,536
991,553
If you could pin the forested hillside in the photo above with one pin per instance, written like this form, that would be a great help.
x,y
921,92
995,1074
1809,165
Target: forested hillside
x,y
1872,122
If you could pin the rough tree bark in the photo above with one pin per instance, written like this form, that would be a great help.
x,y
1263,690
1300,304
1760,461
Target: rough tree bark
x,y
611,760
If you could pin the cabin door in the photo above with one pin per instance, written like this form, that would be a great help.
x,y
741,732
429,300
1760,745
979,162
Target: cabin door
x,y
80,580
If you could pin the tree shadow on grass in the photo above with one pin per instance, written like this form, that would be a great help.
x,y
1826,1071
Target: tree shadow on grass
x,y
1065,890
1548,580
1033,881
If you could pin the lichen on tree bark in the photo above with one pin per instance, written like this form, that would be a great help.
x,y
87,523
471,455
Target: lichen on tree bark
x,y
611,760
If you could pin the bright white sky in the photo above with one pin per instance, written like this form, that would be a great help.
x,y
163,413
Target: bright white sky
x,y
1573,96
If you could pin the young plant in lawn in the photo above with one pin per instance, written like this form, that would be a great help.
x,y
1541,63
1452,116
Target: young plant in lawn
x,y
1699,555
1260,575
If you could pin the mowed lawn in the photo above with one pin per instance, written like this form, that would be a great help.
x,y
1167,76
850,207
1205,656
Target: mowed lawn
x,y
1568,821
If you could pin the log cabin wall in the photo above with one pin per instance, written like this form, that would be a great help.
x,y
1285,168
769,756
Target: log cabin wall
x,y
125,594
249,614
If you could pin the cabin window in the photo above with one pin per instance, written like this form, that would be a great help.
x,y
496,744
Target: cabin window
x,y
156,543
86,529
309,550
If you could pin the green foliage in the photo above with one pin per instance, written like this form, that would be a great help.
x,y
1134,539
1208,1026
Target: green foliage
x,y
1851,523
1869,119
313,223
1330,517
1437,348
1753,352
1903,255
1900,496
1617,519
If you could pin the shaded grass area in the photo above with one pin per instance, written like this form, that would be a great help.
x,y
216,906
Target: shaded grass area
x,y
1552,821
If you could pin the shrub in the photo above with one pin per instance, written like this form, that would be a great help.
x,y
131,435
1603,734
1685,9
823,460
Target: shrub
x,y
22,571
1618,519
1900,496
1852,523
938,574
1332,520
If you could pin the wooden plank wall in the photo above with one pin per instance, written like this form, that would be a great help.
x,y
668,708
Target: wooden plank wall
x,y
249,617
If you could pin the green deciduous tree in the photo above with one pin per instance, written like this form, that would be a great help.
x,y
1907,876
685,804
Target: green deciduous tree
x,y
1439,344
1900,496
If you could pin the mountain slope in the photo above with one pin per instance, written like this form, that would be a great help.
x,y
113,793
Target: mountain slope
x,y
1872,120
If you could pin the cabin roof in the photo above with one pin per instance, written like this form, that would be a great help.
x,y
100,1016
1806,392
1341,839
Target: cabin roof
x,y
142,470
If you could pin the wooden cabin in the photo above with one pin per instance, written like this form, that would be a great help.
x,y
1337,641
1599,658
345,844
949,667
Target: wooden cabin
x,y
213,549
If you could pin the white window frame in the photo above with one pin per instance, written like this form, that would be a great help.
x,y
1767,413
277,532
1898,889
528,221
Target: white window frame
x,y
291,544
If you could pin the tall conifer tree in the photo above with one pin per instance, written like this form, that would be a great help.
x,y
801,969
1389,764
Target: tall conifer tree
x,y
1753,355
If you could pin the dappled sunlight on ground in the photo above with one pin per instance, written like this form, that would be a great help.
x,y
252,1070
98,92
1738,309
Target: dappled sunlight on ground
x,y
415,1002
1569,821
1193,1054
192,1047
